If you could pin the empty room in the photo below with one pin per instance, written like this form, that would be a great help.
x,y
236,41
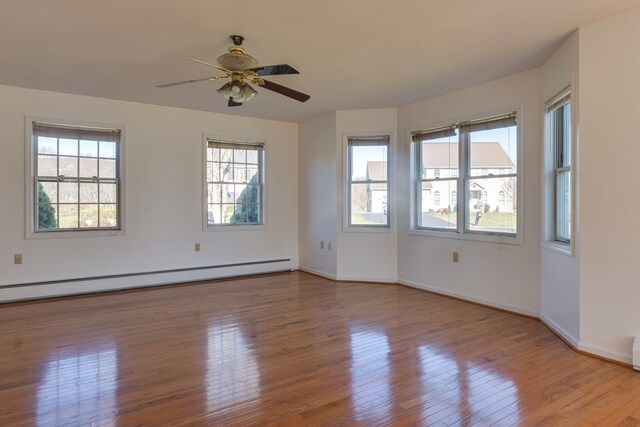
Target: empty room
x,y
319,213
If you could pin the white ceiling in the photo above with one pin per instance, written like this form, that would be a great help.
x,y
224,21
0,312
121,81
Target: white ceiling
x,y
352,54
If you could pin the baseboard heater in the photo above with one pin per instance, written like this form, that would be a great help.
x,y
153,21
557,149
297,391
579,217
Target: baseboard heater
x,y
148,273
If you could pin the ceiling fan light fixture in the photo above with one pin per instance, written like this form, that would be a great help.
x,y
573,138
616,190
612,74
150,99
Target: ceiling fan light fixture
x,y
238,91
247,93
229,90
243,69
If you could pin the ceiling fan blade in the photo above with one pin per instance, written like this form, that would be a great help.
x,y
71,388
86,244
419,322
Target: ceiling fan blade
x,y
283,90
233,103
274,70
207,64
183,82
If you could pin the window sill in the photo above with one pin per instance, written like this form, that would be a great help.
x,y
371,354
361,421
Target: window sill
x,y
73,234
215,228
561,248
477,237
365,229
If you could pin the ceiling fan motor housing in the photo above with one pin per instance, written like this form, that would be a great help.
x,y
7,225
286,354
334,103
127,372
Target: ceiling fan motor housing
x,y
237,60
243,69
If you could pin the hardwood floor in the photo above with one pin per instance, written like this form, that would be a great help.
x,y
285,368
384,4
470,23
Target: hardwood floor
x,y
296,349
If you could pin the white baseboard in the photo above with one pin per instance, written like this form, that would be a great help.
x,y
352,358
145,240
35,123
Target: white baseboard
x,y
514,309
573,341
47,290
606,353
579,345
76,287
318,272
366,279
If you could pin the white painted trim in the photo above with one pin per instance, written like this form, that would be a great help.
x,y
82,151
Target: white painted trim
x,y
462,234
559,330
203,182
579,345
475,237
558,247
346,228
367,229
318,272
603,352
584,347
547,185
132,282
390,281
514,309
29,170
232,228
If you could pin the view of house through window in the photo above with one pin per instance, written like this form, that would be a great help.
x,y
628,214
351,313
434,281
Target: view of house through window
x,y
234,179
76,178
438,175
368,181
476,164
492,180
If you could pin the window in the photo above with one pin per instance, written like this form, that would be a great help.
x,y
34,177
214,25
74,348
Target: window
x,y
368,181
235,183
436,198
436,173
76,178
482,156
559,122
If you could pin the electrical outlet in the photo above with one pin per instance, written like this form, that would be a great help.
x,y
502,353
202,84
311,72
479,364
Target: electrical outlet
x,y
321,244
17,259
456,257
197,247
329,246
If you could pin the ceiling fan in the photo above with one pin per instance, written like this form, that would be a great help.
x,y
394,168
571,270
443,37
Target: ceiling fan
x,y
243,69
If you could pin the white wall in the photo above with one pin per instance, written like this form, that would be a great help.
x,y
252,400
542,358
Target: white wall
x,y
609,206
318,184
163,181
591,297
502,275
366,254
559,267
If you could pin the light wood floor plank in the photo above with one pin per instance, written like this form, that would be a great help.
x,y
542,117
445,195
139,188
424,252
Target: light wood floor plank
x,y
296,349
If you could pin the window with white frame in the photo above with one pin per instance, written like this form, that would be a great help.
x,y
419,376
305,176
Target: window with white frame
x,y
480,160
559,134
368,181
235,183
76,178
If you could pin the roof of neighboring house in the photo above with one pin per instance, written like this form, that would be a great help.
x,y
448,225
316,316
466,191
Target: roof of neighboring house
x,y
377,171
483,155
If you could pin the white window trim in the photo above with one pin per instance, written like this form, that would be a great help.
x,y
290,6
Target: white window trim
x,y
205,196
345,181
30,232
478,236
548,179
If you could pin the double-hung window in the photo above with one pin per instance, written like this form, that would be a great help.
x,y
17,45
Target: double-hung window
x,y
234,183
76,178
368,181
559,135
476,163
